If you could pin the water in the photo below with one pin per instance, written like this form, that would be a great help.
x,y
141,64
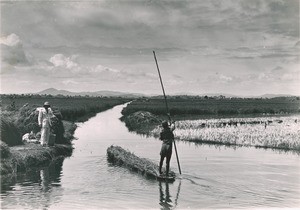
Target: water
x,y
213,177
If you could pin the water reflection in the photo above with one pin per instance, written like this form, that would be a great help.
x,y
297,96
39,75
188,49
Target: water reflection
x,y
164,196
221,147
165,199
213,178
40,186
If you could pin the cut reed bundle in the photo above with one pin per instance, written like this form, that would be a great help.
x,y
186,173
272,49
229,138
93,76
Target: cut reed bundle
x,y
118,155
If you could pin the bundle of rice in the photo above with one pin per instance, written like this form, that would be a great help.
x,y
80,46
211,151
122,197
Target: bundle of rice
x,y
146,167
141,122
142,117
9,132
27,121
4,150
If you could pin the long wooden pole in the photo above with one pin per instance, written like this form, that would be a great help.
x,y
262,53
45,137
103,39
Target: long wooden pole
x,y
167,107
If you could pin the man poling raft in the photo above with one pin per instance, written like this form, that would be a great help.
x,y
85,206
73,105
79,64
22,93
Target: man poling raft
x,y
143,166
166,135
119,156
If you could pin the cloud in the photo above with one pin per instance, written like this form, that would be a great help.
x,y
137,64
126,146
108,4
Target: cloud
x,y
150,24
113,40
11,40
221,78
70,82
224,78
12,52
59,60
100,69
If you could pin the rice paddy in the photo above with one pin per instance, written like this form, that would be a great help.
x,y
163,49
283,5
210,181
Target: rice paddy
x,y
268,132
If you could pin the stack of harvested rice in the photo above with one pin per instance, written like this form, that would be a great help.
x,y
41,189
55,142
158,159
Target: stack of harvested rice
x,y
119,156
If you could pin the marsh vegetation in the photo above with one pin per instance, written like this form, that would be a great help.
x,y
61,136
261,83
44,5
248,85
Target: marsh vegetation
x,y
267,123
19,116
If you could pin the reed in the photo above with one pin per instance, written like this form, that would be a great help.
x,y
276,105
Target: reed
x,y
4,149
141,122
200,107
71,108
118,155
10,133
32,155
275,132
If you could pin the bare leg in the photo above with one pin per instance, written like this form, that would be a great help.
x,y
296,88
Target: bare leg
x,y
161,163
168,164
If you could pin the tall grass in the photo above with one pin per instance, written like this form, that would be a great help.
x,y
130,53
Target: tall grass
x,y
4,149
276,132
20,115
32,155
71,108
10,134
215,107
141,122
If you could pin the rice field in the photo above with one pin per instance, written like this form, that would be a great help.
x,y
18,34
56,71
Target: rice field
x,y
200,107
268,132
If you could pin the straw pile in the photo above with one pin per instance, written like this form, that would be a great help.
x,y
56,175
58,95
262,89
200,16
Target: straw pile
x,y
27,120
4,150
20,158
117,155
140,122
9,132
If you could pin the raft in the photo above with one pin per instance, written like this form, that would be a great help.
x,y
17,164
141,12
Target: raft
x,y
119,156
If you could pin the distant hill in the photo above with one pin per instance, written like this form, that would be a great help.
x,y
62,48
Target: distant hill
x,y
237,96
275,95
104,93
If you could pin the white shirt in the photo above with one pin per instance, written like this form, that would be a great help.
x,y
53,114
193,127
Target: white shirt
x,y
44,118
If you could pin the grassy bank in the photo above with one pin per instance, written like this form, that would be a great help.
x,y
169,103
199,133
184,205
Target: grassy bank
x,y
201,107
141,122
19,116
71,108
269,132
277,131
24,156
20,158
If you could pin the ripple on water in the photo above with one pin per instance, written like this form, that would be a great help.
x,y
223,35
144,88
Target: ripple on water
x,y
213,177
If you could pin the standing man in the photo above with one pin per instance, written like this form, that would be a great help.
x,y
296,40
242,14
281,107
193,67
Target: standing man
x,y
44,120
167,137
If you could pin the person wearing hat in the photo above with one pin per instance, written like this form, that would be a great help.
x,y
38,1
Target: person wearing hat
x,y
167,137
44,120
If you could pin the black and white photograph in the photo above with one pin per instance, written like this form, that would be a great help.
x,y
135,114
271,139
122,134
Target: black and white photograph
x,y
150,104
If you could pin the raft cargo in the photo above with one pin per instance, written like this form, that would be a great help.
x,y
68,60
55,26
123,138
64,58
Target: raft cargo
x,y
119,156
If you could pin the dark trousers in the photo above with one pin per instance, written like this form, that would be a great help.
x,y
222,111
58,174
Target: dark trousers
x,y
168,158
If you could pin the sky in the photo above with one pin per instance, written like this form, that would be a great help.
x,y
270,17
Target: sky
x,y
237,47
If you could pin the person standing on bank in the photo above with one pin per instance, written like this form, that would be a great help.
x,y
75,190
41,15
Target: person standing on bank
x,y
44,120
167,137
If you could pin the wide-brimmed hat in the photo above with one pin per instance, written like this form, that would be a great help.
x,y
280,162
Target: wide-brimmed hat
x,y
46,103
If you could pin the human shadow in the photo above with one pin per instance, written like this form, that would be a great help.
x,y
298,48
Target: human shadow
x,y
42,183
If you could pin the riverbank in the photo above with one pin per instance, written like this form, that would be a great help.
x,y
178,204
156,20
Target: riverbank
x,y
88,180
21,157
274,132
18,118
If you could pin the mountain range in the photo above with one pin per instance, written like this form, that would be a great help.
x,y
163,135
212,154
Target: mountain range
x,y
103,93
106,93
